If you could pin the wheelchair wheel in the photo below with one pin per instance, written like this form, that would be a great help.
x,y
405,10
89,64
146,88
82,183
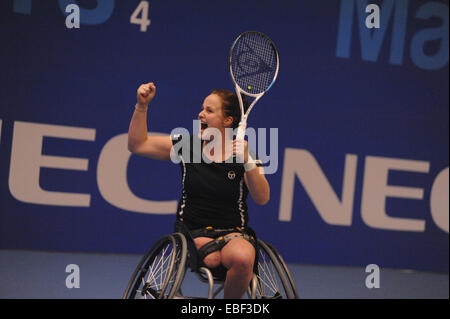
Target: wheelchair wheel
x,y
272,282
286,270
161,270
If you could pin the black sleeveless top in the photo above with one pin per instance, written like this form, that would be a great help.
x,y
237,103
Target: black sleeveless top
x,y
213,193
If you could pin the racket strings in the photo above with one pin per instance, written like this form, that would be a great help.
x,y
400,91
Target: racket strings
x,y
254,63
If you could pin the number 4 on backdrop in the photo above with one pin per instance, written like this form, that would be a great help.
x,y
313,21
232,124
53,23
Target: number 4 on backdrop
x,y
100,14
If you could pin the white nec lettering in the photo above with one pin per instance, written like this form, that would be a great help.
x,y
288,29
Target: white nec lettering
x,y
301,164
113,184
439,201
27,159
376,190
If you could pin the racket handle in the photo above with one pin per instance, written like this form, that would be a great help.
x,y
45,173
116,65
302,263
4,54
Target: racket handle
x,y
241,130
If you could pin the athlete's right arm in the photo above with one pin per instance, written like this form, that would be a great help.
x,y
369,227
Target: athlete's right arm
x,y
139,142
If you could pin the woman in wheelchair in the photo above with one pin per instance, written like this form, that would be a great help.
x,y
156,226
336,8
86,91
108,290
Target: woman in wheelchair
x,y
216,179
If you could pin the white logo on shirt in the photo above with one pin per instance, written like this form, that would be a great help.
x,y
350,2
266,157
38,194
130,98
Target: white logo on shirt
x,y
231,175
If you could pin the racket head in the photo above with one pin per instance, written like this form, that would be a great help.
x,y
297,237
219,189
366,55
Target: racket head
x,y
253,63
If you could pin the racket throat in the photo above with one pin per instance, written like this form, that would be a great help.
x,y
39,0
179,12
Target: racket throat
x,y
241,130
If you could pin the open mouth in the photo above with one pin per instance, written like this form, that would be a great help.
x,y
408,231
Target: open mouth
x,y
203,127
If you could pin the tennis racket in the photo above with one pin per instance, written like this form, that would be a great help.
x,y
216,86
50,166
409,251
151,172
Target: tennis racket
x,y
254,67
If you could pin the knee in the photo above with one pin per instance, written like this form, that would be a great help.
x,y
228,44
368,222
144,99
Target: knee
x,y
242,263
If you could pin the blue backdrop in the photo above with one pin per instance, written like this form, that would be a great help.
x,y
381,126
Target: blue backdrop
x,y
359,120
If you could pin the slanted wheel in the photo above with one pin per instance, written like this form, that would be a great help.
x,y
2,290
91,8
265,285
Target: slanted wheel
x,y
272,275
161,270
286,270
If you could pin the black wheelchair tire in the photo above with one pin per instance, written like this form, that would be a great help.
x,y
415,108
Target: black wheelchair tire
x,y
175,273
279,267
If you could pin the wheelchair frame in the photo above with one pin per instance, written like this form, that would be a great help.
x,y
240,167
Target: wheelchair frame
x,y
161,271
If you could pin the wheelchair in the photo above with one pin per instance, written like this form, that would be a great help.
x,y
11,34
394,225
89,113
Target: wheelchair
x,y
162,269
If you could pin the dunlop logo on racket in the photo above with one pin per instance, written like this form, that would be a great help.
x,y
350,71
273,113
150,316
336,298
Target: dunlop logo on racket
x,y
250,64
253,64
